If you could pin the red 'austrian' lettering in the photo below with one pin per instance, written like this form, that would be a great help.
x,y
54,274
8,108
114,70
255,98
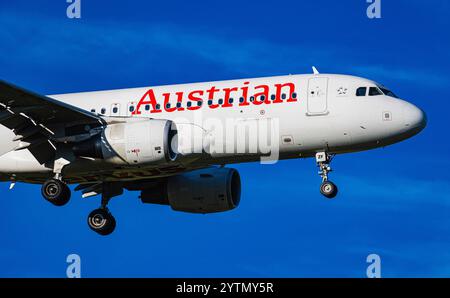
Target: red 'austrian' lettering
x,y
215,98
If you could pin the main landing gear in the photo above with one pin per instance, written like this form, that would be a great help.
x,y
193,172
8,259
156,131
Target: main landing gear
x,y
56,191
101,220
327,188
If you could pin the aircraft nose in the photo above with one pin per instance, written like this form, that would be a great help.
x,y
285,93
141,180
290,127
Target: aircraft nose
x,y
414,117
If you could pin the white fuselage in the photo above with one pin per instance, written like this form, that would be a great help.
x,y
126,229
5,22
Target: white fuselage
x,y
311,113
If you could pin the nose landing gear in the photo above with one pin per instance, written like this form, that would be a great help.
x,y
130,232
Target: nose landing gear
x,y
327,188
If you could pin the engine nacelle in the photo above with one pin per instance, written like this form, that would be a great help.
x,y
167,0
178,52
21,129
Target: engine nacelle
x,y
201,191
141,142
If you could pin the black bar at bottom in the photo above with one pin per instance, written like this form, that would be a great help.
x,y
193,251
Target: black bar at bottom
x,y
227,286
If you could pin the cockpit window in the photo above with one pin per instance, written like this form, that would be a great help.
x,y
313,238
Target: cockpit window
x,y
361,91
388,92
373,91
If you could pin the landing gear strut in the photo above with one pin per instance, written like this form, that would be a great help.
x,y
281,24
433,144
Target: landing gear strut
x,y
56,192
327,188
101,220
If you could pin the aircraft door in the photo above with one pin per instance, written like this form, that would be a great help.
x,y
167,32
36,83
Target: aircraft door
x,y
317,96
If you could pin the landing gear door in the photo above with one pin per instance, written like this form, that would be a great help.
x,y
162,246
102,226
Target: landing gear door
x,y
317,96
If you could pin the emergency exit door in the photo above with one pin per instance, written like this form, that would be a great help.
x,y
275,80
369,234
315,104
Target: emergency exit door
x,y
317,96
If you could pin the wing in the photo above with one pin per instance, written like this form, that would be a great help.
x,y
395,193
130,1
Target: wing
x,y
38,121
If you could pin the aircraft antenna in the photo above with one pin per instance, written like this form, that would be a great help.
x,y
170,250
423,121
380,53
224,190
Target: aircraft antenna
x,y
315,71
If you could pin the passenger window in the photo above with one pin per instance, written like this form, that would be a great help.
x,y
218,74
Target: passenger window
x,y
373,91
115,110
147,107
131,109
92,110
361,91
103,111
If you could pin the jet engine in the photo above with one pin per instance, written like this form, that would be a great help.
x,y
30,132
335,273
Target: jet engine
x,y
200,191
142,142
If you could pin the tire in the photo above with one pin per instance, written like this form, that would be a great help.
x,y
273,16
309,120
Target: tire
x,y
101,221
328,189
56,192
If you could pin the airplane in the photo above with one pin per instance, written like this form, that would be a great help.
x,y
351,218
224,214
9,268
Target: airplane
x,y
172,143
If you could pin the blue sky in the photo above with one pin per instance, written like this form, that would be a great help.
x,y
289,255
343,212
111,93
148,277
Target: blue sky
x,y
393,201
